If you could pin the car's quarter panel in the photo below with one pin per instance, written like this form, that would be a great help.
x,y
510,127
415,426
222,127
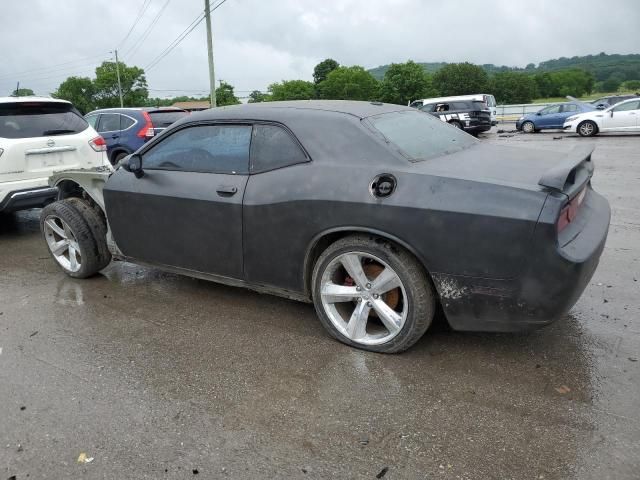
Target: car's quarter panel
x,y
178,219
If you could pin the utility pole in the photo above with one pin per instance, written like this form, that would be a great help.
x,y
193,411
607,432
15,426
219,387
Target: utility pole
x,y
18,90
119,84
212,76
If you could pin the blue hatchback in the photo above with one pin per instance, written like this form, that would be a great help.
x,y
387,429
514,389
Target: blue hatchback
x,y
552,116
127,129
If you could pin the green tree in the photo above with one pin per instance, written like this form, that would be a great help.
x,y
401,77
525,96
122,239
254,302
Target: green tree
x,y
511,87
225,95
544,85
574,82
404,82
631,85
134,86
22,92
257,96
323,69
291,90
349,83
78,90
460,79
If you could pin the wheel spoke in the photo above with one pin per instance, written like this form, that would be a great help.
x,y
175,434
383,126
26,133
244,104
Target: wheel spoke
x,y
333,293
67,231
352,264
73,258
385,281
53,226
390,318
59,247
357,325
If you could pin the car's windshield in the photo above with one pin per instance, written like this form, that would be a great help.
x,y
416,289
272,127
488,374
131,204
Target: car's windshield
x,y
420,136
39,119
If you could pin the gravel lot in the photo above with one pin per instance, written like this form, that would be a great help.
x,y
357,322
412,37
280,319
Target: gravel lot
x,y
159,376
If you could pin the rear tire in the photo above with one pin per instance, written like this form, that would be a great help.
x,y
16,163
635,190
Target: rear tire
x,y
70,240
587,128
371,294
118,157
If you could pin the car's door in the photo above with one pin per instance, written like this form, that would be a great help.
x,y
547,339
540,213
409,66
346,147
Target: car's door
x,y
186,209
622,117
109,129
549,117
566,111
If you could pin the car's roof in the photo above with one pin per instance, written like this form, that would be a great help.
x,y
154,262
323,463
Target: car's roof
x,y
138,109
278,109
31,98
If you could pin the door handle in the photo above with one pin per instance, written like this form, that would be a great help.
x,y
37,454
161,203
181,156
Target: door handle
x,y
226,190
115,136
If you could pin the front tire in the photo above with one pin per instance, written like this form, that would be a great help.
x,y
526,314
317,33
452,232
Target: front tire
x,y
456,124
70,239
587,129
528,127
372,295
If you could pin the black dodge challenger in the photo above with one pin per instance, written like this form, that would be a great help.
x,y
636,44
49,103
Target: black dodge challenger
x,y
374,212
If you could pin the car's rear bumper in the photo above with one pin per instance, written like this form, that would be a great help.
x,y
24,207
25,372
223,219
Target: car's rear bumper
x,y
28,198
549,286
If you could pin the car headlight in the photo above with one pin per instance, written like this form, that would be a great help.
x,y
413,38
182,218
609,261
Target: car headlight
x,y
521,118
571,119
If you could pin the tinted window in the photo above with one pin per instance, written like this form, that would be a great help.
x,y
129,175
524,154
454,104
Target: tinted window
x,y
627,106
476,105
92,120
429,108
125,122
420,136
460,106
571,107
203,148
39,119
109,122
164,118
551,109
273,147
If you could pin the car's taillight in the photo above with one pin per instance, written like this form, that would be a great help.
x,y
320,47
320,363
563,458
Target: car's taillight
x,y
570,210
147,130
98,144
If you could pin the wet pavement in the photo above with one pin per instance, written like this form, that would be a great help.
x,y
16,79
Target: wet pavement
x,y
160,376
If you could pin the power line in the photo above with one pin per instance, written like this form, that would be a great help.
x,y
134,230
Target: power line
x,y
50,68
132,51
143,9
181,37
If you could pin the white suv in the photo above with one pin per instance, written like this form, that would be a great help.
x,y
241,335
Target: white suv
x,y
40,136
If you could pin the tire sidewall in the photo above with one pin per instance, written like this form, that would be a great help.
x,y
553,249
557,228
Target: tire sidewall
x,y
524,128
385,252
594,131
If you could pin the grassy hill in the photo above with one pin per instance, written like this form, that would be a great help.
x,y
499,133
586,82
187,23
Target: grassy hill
x,y
602,66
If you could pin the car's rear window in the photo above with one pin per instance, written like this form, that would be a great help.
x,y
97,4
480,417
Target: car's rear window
x,y
165,118
420,136
39,119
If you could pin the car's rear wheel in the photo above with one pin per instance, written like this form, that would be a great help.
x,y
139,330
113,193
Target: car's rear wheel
x,y
587,128
70,240
371,294
118,157
528,127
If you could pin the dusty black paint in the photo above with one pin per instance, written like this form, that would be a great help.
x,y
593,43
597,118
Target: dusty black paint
x,y
478,220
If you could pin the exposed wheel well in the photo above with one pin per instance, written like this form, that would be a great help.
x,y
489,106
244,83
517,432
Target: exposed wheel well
x,y
323,242
115,153
69,189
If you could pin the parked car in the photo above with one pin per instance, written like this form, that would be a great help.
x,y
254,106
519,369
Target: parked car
x,y
374,212
622,117
606,102
488,99
40,136
551,117
472,116
127,129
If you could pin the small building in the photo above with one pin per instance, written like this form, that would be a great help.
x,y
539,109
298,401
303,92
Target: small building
x,y
193,106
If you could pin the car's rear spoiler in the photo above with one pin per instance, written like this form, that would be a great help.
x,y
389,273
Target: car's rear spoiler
x,y
573,171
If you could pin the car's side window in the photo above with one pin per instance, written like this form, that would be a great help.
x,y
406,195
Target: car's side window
x,y
202,148
627,106
571,107
126,122
554,109
92,120
428,107
109,122
273,147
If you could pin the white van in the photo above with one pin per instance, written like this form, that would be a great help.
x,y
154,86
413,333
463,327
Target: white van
x,y
488,99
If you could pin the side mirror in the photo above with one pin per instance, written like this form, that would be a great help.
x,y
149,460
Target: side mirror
x,y
133,164
538,113
600,107
611,113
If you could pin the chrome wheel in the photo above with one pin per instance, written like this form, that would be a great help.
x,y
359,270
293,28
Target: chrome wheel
x,y
528,127
62,243
364,298
587,129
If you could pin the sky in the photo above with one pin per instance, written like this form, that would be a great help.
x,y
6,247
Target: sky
x,y
258,42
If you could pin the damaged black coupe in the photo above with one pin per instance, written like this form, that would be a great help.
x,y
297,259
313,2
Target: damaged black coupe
x,y
375,213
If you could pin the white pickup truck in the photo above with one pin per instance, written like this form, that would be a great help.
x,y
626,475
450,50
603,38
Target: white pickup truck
x,y
40,136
